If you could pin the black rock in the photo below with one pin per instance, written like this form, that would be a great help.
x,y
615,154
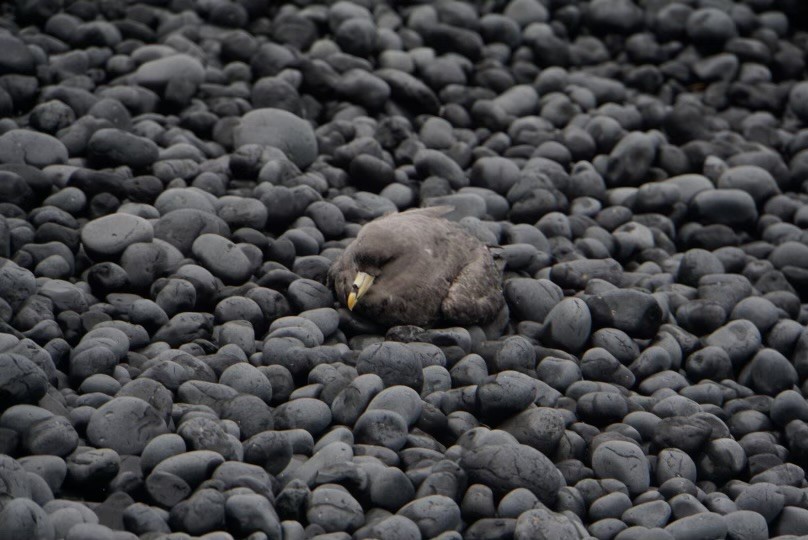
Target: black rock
x,y
636,313
115,147
252,513
731,207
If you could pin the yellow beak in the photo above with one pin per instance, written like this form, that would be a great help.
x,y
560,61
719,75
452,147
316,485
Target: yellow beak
x,y
361,284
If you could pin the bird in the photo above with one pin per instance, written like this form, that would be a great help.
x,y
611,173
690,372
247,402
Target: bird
x,y
418,268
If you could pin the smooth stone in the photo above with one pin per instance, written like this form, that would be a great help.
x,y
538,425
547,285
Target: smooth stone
x,y
223,258
125,424
508,467
109,236
280,129
623,461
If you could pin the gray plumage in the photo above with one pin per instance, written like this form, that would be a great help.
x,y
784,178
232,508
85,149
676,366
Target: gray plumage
x,y
426,270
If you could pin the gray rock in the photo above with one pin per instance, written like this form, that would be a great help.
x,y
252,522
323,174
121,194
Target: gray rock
x,y
381,427
223,258
115,147
334,509
41,149
763,498
635,313
544,523
125,424
568,324
731,207
280,129
433,514
531,299
704,525
21,380
623,461
51,436
107,237
507,467
310,414
746,524
22,518
247,514
394,363
93,468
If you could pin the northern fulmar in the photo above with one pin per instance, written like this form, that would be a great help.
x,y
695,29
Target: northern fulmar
x,y
418,268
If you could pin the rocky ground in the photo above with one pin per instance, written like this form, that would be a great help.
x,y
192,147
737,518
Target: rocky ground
x,y
177,176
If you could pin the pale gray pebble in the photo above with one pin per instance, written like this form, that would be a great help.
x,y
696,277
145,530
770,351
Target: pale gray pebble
x,y
310,414
545,523
116,147
763,498
638,532
381,427
394,527
623,461
125,424
732,207
45,149
568,324
93,468
21,380
247,379
202,433
334,509
352,400
270,449
703,525
510,392
531,299
200,513
433,514
140,518
747,524
400,399
507,467
22,518
394,363
223,258
52,469
159,448
792,521
181,226
281,129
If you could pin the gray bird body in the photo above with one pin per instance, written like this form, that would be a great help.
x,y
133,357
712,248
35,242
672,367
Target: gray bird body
x,y
426,269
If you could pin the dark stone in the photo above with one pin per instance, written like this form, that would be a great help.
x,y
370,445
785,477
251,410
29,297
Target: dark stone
x,y
635,313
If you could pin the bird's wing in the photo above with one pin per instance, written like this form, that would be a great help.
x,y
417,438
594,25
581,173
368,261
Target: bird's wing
x,y
476,293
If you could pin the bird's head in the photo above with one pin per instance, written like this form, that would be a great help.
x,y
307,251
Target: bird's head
x,y
390,249
373,253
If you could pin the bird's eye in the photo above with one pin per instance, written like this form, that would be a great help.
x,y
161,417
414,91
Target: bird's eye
x,y
372,260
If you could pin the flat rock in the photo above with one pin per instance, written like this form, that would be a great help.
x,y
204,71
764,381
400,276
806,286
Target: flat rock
x,y
107,237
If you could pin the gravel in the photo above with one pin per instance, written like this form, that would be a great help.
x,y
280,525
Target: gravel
x,y
177,177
